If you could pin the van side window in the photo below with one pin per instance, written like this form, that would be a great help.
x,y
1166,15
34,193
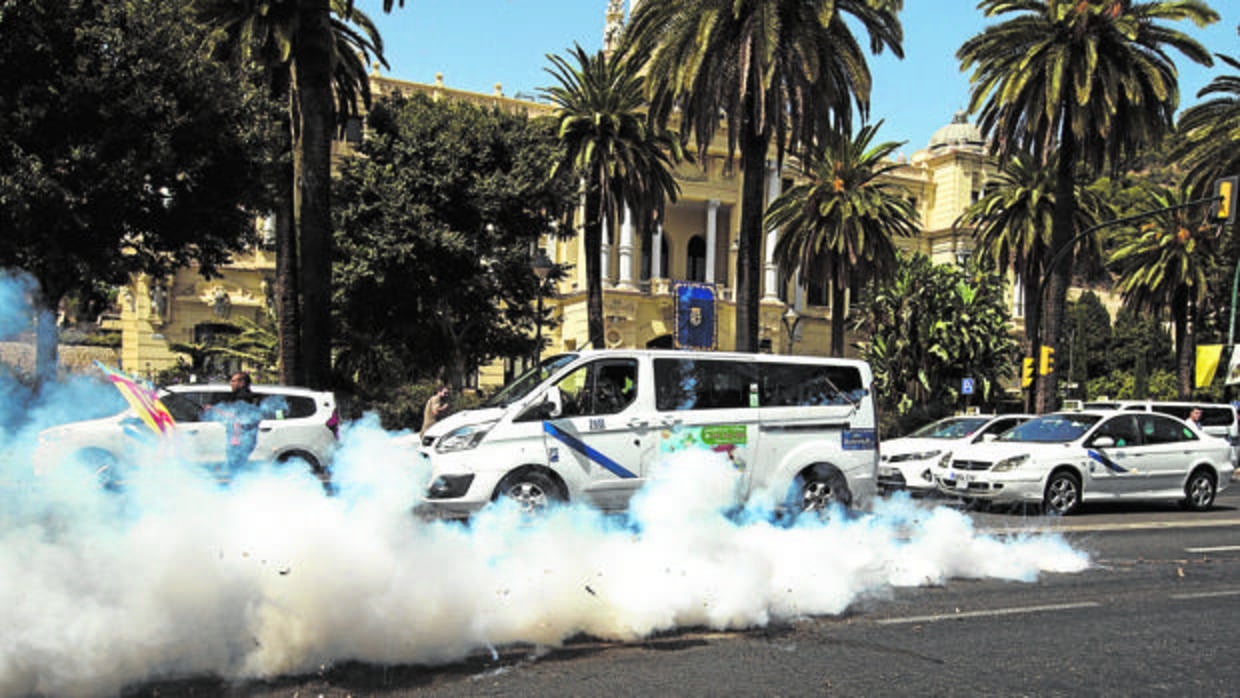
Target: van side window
x,y
794,385
601,387
689,384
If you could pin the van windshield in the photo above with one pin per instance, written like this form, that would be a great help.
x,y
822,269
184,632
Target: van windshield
x,y
524,383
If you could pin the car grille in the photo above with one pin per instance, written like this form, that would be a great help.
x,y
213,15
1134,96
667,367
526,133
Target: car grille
x,y
971,465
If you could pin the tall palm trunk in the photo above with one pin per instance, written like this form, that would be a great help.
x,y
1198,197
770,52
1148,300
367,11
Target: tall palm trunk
x,y
1061,274
837,318
749,245
594,267
1185,341
287,307
312,170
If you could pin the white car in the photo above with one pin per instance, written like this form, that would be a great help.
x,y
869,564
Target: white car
x,y
301,424
907,463
1062,459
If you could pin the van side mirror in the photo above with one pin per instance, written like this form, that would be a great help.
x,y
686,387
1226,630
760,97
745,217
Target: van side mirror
x,y
549,407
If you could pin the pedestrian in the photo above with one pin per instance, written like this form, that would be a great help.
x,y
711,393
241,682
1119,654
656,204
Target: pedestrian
x,y
435,408
1194,417
240,413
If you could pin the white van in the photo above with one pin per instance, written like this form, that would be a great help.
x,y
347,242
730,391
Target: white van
x,y
594,430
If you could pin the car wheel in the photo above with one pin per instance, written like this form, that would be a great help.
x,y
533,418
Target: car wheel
x,y
532,490
1063,494
817,489
1199,491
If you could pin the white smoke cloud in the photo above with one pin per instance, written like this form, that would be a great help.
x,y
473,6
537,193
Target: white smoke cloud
x,y
177,576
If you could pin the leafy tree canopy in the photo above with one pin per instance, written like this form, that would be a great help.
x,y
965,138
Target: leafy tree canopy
x,y
434,232
930,326
122,149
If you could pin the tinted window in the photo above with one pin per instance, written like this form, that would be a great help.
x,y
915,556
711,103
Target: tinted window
x,y
1157,429
298,406
601,387
181,408
1051,428
1122,429
703,384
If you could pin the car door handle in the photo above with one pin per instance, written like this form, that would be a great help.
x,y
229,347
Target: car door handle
x,y
670,421
637,423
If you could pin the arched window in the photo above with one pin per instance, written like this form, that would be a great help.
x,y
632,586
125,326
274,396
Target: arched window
x,y
695,259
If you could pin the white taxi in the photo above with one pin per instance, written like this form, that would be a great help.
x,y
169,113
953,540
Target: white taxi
x,y
1062,459
907,463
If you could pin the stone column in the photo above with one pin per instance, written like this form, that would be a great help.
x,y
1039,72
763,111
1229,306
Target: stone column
x,y
626,250
712,232
770,281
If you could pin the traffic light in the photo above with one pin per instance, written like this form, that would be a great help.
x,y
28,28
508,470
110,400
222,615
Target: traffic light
x,y
1225,190
1048,361
1026,374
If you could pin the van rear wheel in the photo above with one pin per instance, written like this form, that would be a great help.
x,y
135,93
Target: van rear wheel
x,y
817,489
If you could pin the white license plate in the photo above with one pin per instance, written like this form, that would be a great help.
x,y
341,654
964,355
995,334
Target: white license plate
x,y
962,482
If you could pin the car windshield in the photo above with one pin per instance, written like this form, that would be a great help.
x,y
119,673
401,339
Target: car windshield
x,y
523,384
1052,428
951,428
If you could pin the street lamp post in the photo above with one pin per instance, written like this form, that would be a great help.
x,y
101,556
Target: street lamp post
x,y
792,320
542,266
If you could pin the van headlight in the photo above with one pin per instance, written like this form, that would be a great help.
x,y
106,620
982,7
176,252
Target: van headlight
x,y
1011,463
461,439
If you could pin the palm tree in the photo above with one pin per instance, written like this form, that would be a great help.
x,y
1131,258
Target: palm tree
x,y
783,73
607,141
1209,148
270,33
1012,224
1089,81
1164,264
838,226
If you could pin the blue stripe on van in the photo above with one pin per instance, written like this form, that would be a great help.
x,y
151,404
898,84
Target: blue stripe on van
x,y
579,446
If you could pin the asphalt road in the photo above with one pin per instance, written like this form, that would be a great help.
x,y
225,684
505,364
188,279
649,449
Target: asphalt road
x,y
1156,614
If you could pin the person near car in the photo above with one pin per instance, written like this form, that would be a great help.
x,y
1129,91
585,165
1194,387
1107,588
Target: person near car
x,y
240,412
1194,417
435,408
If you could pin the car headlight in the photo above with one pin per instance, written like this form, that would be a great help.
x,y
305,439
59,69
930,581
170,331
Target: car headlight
x,y
946,460
920,455
1011,463
461,439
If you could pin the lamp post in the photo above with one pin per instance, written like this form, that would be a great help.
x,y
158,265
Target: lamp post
x,y
542,266
792,320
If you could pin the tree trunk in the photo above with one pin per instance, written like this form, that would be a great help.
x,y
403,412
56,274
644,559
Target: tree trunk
x,y
837,319
1060,276
749,244
1185,344
287,293
593,231
312,158
46,344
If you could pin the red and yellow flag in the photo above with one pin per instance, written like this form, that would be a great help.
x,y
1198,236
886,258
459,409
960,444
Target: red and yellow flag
x,y
143,398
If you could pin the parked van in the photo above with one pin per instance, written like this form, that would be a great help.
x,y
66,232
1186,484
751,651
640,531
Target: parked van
x,y
594,430
1216,419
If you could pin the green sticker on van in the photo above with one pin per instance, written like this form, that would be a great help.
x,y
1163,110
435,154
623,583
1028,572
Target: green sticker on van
x,y
721,434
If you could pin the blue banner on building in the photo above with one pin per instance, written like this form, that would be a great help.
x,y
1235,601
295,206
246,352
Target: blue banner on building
x,y
695,316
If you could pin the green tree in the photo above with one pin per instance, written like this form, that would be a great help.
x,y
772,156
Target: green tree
x,y
1209,148
839,226
1090,82
784,72
435,226
122,150
622,160
929,326
1162,267
265,33
1091,339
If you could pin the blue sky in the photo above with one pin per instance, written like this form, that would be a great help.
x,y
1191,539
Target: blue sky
x,y
477,43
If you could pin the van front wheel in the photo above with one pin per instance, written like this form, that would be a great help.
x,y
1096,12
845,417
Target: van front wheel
x,y
818,488
531,490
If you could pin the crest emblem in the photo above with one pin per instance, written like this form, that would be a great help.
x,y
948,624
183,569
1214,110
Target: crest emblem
x,y
695,316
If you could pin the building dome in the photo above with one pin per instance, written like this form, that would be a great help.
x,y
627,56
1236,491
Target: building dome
x,y
958,134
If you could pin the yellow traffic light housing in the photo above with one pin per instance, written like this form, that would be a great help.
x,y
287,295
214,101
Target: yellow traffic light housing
x,y
1026,374
1047,366
1225,189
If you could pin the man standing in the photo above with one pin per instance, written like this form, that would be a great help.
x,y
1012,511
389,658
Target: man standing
x,y
240,413
435,408
1194,417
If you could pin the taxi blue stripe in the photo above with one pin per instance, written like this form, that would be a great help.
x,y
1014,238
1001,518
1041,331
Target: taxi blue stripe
x,y
1110,464
579,446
